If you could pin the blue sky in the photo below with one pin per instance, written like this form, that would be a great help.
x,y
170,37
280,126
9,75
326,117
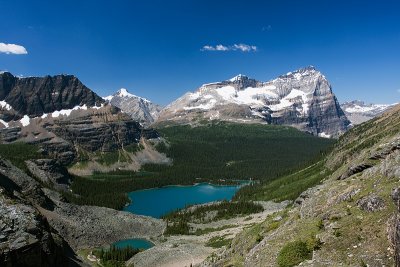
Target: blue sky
x,y
154,48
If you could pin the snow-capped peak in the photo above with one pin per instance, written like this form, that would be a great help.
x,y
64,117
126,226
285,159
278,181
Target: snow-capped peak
x,y
137,107
124,93
238,78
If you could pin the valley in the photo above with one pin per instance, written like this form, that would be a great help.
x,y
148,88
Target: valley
x,y
206,153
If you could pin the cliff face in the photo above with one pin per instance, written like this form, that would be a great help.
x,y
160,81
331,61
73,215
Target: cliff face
x,y
35,96
350,219
26,237
303,99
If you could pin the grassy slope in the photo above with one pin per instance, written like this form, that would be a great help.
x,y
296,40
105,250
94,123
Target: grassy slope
x,y
350,236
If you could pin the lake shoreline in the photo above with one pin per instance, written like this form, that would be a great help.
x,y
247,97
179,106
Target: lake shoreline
x,y
147,201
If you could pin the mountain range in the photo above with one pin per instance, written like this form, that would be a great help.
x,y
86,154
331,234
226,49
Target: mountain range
x,y
302,98
358,112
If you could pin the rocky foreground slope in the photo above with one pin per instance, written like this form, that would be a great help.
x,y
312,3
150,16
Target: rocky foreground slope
x,y
303,99
37,228
351,219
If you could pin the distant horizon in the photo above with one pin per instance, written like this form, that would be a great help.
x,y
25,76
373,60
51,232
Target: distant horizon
x,y
160,50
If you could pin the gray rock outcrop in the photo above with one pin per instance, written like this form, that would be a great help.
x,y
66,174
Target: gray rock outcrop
x,y
138,108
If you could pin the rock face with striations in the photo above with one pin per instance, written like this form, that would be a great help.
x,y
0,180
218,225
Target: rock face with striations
x,y
98,131
302,98
35,96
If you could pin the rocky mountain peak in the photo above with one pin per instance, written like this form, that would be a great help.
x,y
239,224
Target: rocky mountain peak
x,y
301,73
36,96
124,93
302,98
139,108
239,77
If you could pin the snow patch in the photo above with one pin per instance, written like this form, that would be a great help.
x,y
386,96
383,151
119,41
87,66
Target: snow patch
x,y
5,105
209,105
108,98
287,101
67,112
324,135
248,96
4,123
237,78
96,107
123,93
25,121
369,108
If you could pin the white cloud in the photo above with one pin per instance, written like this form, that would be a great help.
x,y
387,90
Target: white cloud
x,y
12,49
266,28
235,47
215,48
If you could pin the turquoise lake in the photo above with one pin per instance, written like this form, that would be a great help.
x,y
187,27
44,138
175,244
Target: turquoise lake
x,y
135,243
158,201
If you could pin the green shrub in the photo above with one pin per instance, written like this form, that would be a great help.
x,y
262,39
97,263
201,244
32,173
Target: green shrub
x,y
218,242
273,226
313,243
320,224
293,253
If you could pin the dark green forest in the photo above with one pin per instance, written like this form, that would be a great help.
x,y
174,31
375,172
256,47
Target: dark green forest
x,y
178,221
115,257
287,187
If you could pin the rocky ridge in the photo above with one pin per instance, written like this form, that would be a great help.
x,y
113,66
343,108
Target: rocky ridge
x,y
303,99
